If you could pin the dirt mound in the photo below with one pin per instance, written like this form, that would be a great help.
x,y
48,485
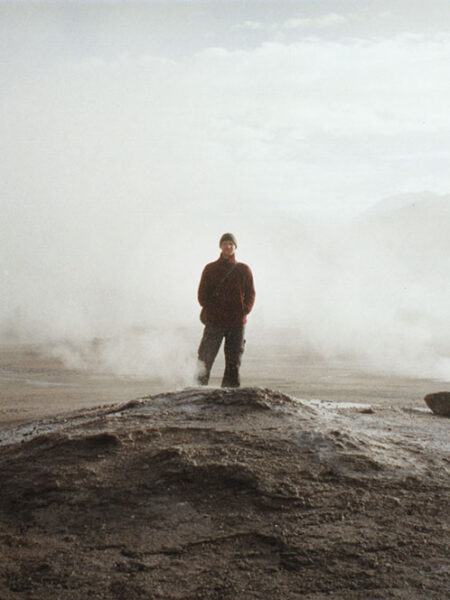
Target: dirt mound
x,y
217,494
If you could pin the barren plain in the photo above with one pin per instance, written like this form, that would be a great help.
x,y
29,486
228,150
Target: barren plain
x,y
312,481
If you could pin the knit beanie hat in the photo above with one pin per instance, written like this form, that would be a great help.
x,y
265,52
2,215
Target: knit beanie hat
x,y
228,237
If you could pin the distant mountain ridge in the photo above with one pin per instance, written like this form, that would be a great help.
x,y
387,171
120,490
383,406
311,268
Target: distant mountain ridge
x,y
422,201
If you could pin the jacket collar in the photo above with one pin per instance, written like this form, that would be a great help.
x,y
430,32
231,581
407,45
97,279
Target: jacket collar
x,y
229,261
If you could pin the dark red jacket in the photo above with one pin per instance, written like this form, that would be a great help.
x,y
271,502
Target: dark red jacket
x,y
235,296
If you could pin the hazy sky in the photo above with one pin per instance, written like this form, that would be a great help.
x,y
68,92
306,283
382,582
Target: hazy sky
x,y
323,106
133,135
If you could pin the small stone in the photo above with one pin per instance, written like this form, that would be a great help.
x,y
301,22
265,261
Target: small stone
x,y
439,403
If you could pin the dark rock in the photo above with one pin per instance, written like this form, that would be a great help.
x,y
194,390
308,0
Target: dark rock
x,y
439,403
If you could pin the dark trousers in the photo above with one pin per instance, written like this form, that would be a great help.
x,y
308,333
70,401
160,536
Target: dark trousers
x,y
234,349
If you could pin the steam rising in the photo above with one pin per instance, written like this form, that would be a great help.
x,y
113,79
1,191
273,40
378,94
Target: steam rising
x,y
122,171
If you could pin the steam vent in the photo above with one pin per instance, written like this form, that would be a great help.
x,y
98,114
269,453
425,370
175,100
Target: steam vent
x,y
225,494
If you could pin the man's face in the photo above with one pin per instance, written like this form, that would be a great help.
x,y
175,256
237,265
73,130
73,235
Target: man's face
x,y
228,248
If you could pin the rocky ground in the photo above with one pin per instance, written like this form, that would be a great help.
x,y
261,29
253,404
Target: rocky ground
x,y
225,494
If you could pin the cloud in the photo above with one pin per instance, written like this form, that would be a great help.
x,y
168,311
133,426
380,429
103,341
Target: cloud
x,y
265,116
301,22
252,25
323,21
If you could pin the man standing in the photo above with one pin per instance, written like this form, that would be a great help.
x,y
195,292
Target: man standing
x,y
227,295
